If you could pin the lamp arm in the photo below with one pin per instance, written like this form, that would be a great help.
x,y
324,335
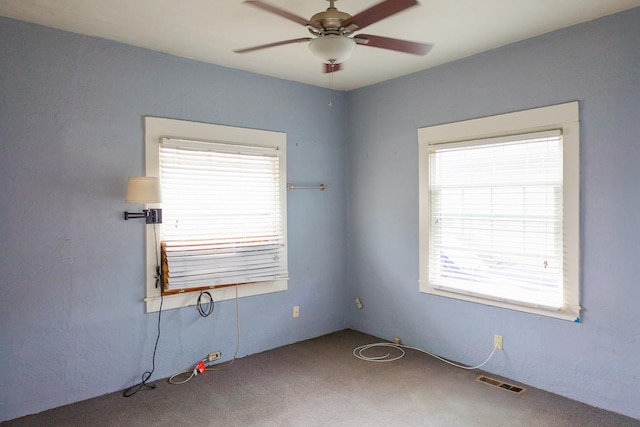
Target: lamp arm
x,y
152,216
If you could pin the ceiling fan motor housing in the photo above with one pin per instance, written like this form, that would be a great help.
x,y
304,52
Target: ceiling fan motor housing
x,y
330,21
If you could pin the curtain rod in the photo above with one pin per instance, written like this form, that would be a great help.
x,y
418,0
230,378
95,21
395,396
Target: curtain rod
x,y
320,187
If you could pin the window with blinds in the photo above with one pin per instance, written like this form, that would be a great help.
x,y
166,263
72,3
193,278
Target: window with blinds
x,y
499,213
223,215
496,218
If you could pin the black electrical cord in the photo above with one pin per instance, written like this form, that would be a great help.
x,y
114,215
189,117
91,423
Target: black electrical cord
x,y
204,312
145,376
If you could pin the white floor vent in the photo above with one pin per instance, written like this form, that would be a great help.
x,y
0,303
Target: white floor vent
x,y
500,384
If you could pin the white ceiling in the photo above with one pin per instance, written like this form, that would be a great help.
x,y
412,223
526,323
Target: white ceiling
x,y
209,30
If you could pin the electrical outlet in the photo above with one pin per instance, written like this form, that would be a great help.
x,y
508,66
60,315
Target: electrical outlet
x,y
216,355
296,311
497,341
358,303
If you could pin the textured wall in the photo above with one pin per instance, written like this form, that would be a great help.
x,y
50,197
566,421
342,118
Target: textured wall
x,y
72,321
596,63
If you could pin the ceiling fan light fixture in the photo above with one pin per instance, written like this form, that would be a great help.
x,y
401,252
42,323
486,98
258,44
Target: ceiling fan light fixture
x,y
332,48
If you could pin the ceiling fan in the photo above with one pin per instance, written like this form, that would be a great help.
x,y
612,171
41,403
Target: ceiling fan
x,y
333,30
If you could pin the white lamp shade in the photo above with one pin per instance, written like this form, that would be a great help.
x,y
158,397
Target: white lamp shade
x,y
143,189
332,49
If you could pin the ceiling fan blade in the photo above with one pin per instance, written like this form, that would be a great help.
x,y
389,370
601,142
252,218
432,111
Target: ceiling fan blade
x,y
331,68
393,44
264,46
280,12
377,13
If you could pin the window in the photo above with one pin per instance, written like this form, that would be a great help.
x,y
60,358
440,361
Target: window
x,y
499,216
224,211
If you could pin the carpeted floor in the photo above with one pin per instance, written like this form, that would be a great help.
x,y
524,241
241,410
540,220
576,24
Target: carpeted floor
x,y
319,382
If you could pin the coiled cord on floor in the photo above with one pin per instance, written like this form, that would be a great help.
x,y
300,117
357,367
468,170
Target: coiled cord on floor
x,y
359,353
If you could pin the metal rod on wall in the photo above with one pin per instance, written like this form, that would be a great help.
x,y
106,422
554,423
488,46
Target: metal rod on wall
x,y
320,187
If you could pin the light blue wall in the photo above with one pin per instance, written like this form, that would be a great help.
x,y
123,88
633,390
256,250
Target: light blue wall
x,y
72,324
72,321
596,63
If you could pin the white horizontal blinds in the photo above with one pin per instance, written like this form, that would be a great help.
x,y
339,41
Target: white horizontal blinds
x,y
222,214
496,218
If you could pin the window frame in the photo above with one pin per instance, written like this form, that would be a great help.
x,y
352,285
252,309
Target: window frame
x,y
564,117
157,128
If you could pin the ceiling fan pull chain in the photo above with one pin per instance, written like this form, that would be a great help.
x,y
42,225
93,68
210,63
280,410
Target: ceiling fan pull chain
x,y
331,85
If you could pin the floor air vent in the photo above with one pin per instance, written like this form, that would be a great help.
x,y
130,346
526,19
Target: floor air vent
x,y
505,386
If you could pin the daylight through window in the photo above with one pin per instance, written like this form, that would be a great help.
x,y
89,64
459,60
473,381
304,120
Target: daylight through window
x,y
222,215
494,215
224,212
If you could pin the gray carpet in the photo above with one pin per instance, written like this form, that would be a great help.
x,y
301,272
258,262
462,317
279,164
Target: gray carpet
x,y
319,382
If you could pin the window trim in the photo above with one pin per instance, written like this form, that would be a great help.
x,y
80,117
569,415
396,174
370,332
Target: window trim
x,y
157,128
562,116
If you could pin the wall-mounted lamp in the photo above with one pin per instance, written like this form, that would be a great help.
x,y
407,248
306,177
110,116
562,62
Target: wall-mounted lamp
x,y
144,189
